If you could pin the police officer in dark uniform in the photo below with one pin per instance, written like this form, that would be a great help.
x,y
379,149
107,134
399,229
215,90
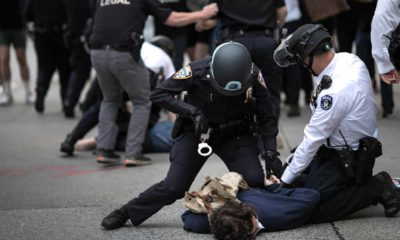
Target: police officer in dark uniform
x,y
78,14
226,94
116,41
253,24
50,38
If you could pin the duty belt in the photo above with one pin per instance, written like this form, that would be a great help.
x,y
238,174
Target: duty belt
x,y
118,48
234,32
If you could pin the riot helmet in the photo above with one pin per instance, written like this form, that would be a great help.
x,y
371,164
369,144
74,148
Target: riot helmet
x,y
231,68
165,43
307,41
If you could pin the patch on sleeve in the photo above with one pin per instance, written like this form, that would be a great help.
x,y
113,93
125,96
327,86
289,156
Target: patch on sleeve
x,y
326,102
184,73
261,80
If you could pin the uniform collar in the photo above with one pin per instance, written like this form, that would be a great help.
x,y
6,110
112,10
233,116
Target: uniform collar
x,y
329,69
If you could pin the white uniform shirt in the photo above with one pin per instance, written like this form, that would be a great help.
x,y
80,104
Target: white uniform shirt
x,y
348,105
157,60
385,20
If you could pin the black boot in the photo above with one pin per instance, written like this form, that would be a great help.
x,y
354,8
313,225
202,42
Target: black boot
x,y
39,102
390,198
68,145
116,218
294,111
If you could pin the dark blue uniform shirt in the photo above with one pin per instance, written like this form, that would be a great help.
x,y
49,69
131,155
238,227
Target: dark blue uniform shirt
x,y
195,79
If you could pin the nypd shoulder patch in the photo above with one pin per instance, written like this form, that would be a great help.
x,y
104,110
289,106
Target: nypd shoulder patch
x,y
326,102
184,73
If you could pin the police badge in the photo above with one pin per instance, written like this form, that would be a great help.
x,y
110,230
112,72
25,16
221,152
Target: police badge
x,y
184,73
326,102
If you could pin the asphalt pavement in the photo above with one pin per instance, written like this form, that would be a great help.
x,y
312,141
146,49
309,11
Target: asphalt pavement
x,y
45,195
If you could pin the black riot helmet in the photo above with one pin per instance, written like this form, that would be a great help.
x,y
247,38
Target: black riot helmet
x,y
307,41
165,43
231,68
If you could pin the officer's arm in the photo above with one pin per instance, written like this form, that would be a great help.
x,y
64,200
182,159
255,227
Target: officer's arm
x,y
322,124
383,23
166,92
268,123
178,19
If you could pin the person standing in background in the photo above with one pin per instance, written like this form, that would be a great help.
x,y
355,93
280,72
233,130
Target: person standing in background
x,y
385,20
12,33
78,14
115,54
51,43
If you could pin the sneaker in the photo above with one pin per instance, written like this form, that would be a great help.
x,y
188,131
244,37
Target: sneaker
x,y
139,160
107,156
115,219
68,145
29,99
6,99
390,198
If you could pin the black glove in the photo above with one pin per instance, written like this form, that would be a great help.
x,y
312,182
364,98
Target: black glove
x,y
281,185
273,164
200,123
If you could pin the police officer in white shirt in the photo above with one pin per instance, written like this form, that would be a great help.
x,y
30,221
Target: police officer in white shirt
x,y
385,20
344,112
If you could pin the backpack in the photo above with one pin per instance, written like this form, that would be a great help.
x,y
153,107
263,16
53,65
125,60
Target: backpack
x,y
215,192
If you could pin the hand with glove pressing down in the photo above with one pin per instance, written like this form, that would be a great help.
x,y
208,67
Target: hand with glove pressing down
x,y
199,121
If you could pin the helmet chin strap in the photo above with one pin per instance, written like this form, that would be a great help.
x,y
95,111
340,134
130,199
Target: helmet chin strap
x,y
309,65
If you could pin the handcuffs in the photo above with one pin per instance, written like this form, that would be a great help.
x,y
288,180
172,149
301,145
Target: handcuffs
x,y
203,148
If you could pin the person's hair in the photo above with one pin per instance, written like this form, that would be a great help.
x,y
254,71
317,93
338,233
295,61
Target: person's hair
x,y
233,221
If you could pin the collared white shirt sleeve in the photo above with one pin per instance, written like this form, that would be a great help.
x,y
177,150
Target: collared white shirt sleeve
x,y
385,20
321,126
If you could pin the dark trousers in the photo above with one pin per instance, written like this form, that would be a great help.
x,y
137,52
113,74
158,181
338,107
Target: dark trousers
x,y
52,55
339,196
261,48
387,96
355,26
239,155
81,66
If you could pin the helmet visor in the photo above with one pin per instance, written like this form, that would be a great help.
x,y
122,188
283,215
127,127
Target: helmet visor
x,y
282,56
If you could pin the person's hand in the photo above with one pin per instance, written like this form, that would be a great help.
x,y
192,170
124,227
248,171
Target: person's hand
x,y
200,123
210,10
273,164
271,180
390,77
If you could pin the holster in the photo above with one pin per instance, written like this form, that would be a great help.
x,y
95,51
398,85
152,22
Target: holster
x,y
346,159
369,149
135,45
179,126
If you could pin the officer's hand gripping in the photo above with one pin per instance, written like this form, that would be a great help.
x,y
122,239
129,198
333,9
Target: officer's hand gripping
x,y
200,123
273,165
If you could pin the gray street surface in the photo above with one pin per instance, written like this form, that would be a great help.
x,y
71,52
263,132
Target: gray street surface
x,y
44,195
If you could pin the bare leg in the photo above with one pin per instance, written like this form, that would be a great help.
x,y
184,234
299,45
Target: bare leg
x,y
5,72
24,72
